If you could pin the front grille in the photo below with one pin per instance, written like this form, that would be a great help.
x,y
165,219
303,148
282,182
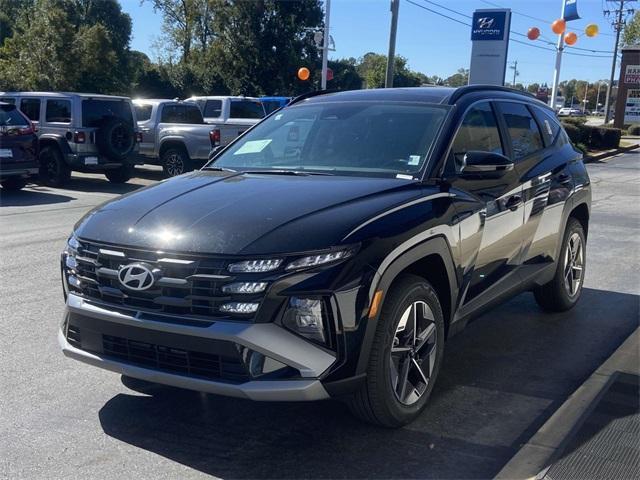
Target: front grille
x,y
186,285
180,361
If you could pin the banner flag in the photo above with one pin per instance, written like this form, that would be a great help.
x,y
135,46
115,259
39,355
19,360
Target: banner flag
x,y
571,10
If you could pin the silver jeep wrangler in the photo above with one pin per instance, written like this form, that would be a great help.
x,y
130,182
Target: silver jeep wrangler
x,y
82,132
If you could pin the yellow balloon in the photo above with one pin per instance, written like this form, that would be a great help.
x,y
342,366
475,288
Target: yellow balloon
x,y
591,30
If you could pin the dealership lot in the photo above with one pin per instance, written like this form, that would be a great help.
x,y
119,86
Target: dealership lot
x,y
502,377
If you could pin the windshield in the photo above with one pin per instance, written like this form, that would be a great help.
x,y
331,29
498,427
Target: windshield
x,y
349,138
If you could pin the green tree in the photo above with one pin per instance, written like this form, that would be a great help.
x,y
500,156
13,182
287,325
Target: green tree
x,y
458,79
345,75
373,67
631,33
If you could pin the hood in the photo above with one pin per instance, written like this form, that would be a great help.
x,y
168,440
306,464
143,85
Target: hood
x,y
237,214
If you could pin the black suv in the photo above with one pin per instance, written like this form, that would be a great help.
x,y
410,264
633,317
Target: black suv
x,y
332,249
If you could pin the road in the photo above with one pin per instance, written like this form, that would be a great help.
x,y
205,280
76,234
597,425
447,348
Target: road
x,y
502,377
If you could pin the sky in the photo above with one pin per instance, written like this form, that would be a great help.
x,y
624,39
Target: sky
x,y
436,45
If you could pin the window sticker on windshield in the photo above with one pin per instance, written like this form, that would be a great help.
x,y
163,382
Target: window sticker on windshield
x,y
414,159
404,177
253,146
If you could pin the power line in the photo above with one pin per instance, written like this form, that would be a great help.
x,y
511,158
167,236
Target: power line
x,y
493,4
528,44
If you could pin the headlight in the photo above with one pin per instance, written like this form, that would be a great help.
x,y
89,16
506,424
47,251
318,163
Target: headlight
x,y
306,316
255,266
321,259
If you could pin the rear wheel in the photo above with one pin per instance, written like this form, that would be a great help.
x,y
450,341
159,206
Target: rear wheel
x,y
53,169
175,161
120,175
405,356
13,183
564,290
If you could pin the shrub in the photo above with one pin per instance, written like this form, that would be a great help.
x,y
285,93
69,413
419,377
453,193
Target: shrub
x,y
578,132
574,120
582,147
634,129
603,138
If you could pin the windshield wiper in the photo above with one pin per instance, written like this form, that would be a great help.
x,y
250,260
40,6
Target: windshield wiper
x,y
274,171
220,169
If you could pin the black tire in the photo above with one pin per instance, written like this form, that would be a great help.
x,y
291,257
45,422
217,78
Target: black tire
x,y
377,401
54,171
175,161
557,295
13,184
115,138
120,175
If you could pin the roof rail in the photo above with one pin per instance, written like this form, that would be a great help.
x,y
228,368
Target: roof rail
x,y
315,93
480,88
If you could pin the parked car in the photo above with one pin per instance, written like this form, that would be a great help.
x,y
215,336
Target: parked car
x,y
18,148
333,249
174,135
570,112
232,116
82,132
271,104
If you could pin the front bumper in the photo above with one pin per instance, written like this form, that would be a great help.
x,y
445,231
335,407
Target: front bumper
x,y
266,338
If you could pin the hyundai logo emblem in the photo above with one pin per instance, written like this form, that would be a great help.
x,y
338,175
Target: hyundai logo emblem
x,y
136,276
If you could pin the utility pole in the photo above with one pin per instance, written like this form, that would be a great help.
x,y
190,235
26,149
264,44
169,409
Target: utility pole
x,y
395,6
514,67
598,97
618,24
556,70
325,44
584,100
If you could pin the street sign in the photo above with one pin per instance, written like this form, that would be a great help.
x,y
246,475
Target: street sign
x,y
490,37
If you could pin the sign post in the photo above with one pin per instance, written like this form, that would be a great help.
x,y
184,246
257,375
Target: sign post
x,y
628,99
490,37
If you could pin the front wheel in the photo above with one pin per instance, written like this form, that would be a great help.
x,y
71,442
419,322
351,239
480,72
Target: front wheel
x,y
53,169
564,290
120,175
405,357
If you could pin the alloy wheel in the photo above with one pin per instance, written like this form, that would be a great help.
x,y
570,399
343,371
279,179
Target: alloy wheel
x,y
413,353
174,165
573,264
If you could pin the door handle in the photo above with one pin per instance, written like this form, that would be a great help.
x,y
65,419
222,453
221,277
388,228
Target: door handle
x,y
513,202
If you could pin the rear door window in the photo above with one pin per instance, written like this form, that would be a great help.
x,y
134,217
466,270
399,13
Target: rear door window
x,y
95,111
246,109
523,129
548,124
213,108
58,111
31,108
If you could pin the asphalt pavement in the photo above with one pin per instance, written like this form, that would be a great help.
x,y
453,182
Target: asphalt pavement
x,y
502,378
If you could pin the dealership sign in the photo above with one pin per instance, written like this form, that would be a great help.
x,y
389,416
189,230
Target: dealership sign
x,y
632,75
490,37
488,25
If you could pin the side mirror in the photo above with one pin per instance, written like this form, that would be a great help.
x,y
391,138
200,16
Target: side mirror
x,y
489,164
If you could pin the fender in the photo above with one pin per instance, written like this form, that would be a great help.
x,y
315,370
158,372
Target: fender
x,y
173,139
393,266
59,140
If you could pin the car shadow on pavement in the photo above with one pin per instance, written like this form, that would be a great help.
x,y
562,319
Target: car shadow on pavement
x,y
34,195
502,378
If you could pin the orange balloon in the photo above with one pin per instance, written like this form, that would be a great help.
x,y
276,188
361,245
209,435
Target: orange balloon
x,y
304,73
559,26
533,33
570,38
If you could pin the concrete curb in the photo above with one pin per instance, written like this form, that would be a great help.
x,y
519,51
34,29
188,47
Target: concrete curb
x,y
537,454
610,153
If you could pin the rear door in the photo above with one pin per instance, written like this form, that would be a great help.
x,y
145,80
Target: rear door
x,y
146,113
489,209
32,108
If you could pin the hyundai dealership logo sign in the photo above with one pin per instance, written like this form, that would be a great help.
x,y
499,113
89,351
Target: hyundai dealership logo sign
x,y
488,25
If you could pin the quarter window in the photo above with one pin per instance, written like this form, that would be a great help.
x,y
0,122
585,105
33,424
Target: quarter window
x,y
523,129
31,108
478,131
548,124
58,111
